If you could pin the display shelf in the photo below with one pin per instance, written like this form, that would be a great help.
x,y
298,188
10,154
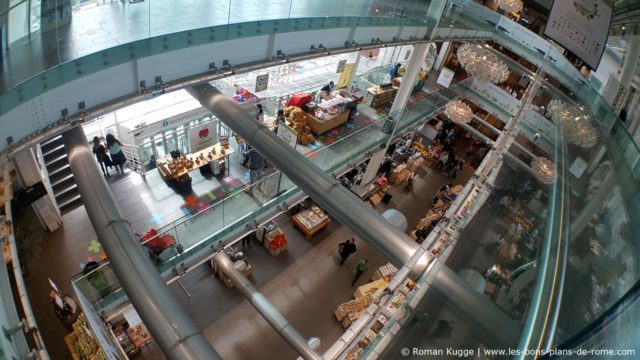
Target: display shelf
x,y
311,221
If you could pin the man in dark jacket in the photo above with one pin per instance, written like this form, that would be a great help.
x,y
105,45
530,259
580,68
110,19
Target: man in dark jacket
x,y
345,249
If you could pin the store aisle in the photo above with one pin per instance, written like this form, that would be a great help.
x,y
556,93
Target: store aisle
x,y
306,284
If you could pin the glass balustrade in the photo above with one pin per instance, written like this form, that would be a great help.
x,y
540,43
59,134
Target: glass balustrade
x,y
77,39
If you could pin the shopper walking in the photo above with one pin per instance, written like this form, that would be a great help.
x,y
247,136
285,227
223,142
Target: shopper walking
x,y
115,150
101,155
345,249
410,181
361,267
444,158
255,162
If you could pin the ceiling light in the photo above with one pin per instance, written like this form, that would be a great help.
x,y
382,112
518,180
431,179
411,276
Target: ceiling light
x,y
544,170
458,112
482,64
510,6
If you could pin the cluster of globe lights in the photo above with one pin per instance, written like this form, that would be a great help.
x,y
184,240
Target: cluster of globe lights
x,y
577,129
458,112
544,170
510,6
482,64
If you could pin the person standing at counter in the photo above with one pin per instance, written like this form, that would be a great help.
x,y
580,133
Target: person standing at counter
x,y
115,150
394,71
260,114
327,89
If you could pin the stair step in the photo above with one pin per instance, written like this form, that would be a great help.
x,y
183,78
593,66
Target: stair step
x,y
61,180
51,151
58,170
51,143
64,198
56,159
51,139
70,203
63,191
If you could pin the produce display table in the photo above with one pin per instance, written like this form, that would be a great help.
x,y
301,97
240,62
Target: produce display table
x,y
311,221
378,97
192,161
319,126
370,288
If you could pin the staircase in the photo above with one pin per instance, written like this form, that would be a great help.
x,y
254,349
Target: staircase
x,y
64,186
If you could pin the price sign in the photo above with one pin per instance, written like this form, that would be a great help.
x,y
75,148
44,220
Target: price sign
x,y
446,75
341,66
262,81
287,134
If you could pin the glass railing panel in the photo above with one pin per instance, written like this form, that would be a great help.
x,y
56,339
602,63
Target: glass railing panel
x,y
165,18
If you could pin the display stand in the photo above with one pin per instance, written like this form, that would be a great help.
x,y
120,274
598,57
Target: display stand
x,y
275,242
320,126
376,96
82,343
311,221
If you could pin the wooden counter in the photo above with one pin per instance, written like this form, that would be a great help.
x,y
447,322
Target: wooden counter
x,y
377,97
163,163
310,232
321,126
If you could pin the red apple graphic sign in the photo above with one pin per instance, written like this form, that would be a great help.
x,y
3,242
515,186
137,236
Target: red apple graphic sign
x,y
203,133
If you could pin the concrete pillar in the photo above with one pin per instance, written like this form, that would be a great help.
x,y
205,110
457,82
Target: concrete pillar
x,y
442,55
409,78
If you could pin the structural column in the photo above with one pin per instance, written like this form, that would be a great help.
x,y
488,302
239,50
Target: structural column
x,y
168,323
409,78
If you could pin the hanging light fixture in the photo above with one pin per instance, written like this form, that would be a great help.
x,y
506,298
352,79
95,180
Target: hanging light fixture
x,y
482,64
544,170
458,112
510,6
577,127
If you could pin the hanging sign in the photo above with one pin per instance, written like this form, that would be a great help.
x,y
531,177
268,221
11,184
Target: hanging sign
x,y
262,82
341,66
445,77
581,26
202,136
345,77
286,133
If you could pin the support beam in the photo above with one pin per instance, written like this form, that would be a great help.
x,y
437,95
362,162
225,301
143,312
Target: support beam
x,y
277,321
168,323
414,66
369,225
